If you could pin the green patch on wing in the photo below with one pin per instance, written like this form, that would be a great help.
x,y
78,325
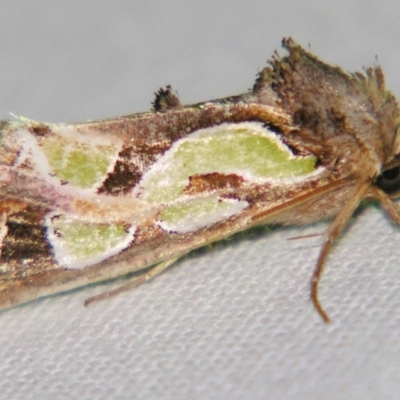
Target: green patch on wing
x,y
87,240
246,149
77,244
184,211
77,163
198,213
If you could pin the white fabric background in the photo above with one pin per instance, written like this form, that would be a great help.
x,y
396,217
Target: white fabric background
x,y
234,322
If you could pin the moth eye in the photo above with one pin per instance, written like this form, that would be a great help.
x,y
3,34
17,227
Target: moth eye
x,y
389,180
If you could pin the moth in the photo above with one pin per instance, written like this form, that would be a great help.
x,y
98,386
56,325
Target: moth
x,y
89,202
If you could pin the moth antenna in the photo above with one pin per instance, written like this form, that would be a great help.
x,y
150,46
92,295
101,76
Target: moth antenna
x,y
133,282
311,235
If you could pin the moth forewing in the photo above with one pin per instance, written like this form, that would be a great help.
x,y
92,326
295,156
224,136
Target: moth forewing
x,y
90,202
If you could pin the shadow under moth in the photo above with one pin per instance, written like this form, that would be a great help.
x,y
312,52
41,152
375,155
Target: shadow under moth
x,y
89,202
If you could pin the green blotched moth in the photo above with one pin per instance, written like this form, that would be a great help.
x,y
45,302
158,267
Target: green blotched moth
x,y
89,202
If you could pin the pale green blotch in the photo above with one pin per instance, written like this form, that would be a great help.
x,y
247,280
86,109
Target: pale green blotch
x,y
77,163
198,213
78,244
246,149
183,211
85,240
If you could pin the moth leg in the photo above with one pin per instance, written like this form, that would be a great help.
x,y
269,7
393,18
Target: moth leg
x,y
332,232
392,208
136,281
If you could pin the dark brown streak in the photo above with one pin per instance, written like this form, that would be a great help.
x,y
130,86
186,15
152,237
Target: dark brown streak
x,y
121,180
26,237
40,129
212,181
